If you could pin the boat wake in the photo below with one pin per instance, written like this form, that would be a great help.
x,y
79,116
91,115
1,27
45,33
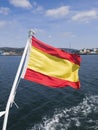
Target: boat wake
x,y
82,116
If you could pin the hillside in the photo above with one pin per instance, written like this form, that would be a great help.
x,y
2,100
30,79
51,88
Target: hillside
x,y
19,51
11,51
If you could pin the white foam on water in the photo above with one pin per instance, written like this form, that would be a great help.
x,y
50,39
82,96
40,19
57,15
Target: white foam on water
x,y
75,116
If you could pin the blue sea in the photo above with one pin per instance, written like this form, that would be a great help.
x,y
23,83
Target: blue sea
x,y
44,108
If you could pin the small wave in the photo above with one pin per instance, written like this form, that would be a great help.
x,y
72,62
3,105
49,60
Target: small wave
x,y
78,116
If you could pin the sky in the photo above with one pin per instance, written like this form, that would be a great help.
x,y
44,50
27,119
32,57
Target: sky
x,y
60,23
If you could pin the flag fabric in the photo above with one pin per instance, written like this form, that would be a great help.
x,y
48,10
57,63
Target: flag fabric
x,y
51,66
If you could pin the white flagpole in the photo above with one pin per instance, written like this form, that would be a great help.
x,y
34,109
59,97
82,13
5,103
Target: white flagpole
x,y
14,86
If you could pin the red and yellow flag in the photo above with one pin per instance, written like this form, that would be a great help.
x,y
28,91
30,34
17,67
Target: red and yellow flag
x,y
51,66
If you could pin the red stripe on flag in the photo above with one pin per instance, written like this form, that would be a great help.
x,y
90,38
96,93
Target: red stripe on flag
x,y
48,80
75,58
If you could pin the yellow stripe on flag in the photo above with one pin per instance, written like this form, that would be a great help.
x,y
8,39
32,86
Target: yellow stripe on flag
x,y
52,66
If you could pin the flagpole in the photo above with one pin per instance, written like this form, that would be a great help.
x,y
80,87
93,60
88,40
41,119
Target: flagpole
x,y
14,86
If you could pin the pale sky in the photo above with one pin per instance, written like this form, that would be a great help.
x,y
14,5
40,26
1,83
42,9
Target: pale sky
x,y
60,23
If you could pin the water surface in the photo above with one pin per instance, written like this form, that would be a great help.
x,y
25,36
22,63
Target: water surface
x,y
44,108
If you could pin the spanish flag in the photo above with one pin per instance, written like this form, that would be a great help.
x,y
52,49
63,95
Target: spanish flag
x,y
51,66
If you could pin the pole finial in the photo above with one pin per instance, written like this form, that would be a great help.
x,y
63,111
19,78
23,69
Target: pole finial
x,y
31,32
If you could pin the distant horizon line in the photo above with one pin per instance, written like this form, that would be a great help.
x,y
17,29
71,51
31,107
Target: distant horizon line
x,y
55,47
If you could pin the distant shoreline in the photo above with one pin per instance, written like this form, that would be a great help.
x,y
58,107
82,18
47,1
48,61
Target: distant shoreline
x,y
8,51
21,55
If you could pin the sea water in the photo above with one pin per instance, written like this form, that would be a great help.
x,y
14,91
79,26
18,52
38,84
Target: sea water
x,y
44,108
